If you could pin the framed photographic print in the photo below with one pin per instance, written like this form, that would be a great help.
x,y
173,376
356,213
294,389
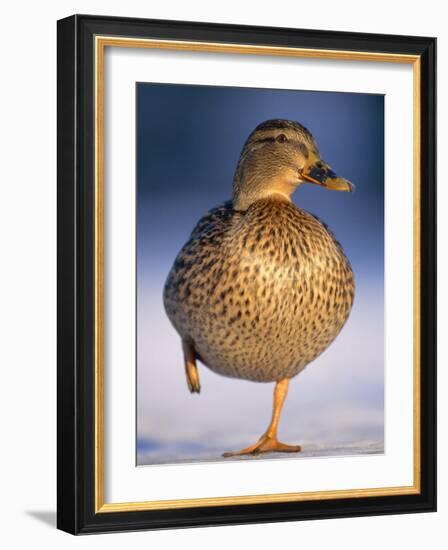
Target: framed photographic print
x,y
246,274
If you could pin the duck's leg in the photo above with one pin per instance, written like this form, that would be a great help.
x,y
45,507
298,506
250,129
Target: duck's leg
x,y
191,369
268,442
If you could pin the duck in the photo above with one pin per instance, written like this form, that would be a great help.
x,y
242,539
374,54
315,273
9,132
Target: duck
x,y
262,287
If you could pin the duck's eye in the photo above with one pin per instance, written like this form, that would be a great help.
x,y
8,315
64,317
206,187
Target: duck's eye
x,y
281,138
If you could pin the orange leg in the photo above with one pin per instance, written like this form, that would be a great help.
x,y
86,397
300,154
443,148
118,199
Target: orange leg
x,y
191,369
268,442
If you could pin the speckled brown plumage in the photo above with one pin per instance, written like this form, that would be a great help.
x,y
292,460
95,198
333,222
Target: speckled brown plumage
x,y
261,288
260,293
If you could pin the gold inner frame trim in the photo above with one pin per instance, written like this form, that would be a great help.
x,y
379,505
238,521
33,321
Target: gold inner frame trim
x,y
101,42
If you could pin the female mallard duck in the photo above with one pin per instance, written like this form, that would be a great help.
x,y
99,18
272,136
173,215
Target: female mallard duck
x,y
262,287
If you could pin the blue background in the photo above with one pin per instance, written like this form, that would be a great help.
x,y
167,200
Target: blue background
x,y
188,143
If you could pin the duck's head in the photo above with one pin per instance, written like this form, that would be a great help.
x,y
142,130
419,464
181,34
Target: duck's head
x,y
278,156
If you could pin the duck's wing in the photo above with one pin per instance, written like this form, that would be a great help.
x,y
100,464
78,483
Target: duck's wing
x,y
188,282
215,220
198,255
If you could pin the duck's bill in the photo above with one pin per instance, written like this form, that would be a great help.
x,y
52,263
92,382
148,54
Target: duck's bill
x,y
321,174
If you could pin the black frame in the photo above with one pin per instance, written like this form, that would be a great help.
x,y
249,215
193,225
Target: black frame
x,y
75,403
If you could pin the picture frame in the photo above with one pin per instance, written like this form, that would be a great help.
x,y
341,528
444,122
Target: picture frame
x,y
82,42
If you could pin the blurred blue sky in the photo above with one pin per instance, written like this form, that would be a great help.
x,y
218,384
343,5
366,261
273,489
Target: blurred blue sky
x,y
188,142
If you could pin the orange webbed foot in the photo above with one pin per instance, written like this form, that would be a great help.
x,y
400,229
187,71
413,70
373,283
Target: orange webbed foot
x,y
265,444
